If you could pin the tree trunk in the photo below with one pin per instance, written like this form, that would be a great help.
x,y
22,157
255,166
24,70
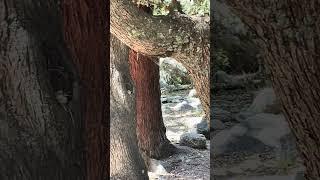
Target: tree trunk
x,y
289,36
40,136
86,33
126,161
151,131
183,38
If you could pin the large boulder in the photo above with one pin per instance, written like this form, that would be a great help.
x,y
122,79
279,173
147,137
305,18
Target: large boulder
x,y
264,102
172,73
254,134
267,128
202,128
225,137
218,117
193,140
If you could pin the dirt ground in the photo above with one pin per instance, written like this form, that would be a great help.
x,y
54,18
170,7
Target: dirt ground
x,y
187,163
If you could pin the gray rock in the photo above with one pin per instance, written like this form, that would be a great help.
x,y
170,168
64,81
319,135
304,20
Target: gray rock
x,y
195,102
222,77
256,133
193,140
183,107
264,99
264,102
267,128
170,72
192,93
156,167
221,140
202,128
242,116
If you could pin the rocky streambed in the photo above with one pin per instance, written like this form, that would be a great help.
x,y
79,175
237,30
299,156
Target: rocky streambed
x,y
252,139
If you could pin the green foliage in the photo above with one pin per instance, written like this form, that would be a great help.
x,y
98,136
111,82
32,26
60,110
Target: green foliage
x,y
160,8
196,7
189,7
174,74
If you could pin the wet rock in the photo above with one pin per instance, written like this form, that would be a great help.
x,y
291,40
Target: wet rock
x,y
193,140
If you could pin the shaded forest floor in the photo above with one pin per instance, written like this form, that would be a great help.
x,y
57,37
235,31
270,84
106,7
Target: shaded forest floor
x,y
181,112
244,157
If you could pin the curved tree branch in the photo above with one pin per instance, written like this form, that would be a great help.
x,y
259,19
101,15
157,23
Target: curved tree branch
x,y
180,37
156,35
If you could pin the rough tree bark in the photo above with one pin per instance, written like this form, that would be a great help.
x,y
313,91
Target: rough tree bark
x,y
125,159
151,131
289,36
86,34
179,37
40,136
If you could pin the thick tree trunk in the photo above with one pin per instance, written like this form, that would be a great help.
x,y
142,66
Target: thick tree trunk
x,y
200,75
40,127
185,39
289,35
86,34
126,161
151,131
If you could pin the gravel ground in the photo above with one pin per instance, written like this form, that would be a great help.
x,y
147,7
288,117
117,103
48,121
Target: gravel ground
x,y
258,163
187,163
